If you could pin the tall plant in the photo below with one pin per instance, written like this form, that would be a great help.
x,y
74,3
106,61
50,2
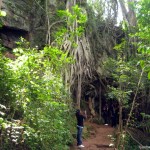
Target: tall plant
x,y
40,100
125,79
126,69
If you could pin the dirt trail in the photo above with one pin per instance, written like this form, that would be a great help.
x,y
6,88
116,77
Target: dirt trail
x,y
99,138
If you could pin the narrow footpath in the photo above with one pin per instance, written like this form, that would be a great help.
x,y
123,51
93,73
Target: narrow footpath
x,y
100,138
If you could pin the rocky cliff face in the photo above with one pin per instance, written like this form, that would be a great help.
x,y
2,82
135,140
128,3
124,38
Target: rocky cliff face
x,y
29,19
10,35
17,14
25,18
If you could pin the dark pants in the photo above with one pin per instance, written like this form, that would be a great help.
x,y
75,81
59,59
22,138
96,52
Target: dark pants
x,y
79,135
105,119
113,121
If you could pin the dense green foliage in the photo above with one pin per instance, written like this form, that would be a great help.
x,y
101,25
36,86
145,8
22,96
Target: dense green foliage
x,y
131,144
130,73
32,88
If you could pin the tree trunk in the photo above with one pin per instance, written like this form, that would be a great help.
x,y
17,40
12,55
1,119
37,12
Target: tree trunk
x,y
0,4
48,36
120,129
91,106
100,103
78,92
129,15
78,67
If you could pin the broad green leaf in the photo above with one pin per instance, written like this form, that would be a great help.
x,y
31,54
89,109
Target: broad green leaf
x,y
148,75
1,120
3,13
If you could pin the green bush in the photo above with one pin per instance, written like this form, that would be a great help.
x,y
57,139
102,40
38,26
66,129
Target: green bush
x,y
35,94
130,144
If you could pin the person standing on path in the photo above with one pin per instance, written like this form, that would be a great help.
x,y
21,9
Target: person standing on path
x,y
80,124
106,114
114,115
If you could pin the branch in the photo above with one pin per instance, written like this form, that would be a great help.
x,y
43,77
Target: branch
x,y
134,99
134,139
48,37
60,21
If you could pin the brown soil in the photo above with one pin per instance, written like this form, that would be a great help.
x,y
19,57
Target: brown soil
x,y
99,139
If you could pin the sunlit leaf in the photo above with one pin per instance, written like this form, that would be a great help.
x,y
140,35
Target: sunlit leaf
x,y
148,75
